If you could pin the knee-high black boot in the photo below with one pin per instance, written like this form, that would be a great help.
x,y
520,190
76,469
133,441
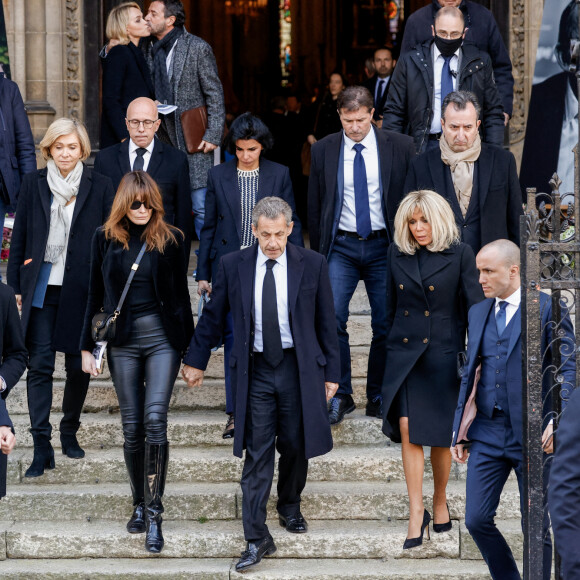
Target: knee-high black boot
x,y
135,462
43,456
156,458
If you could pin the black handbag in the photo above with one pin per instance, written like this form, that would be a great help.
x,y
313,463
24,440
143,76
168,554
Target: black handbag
x,y
103,325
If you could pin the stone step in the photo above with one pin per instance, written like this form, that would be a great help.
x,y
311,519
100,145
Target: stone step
x,y
336,500
100,430
224,569
378,540
102,397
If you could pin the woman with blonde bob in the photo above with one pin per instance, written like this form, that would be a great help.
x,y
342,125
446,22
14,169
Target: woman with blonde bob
x,y
152,332
125,71
58,210
432,282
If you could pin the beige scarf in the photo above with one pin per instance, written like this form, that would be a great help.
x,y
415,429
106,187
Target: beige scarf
x,y
462,167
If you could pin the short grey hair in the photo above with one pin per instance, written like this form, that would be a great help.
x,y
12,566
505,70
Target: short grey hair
x,y
508,253
353,98
271,208
460,100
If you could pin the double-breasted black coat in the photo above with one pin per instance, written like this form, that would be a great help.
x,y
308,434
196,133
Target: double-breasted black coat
x,y
426,313
108,278
28,246
222,225
313,326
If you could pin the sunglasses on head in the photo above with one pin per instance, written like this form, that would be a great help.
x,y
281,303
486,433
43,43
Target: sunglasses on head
x,y
138,203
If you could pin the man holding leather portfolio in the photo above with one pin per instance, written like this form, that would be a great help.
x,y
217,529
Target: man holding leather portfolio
x,y
185,74
492,380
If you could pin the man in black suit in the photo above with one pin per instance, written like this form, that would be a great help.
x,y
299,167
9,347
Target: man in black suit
x,y
356,183
167,165
479,181
14,358
378,84
286,363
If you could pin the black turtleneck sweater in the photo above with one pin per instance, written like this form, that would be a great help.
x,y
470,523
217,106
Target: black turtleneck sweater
x,y
141,298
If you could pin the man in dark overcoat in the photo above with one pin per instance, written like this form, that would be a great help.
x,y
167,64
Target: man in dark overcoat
x,y
350,218
286,366
495,435
165,164
12,365
479,181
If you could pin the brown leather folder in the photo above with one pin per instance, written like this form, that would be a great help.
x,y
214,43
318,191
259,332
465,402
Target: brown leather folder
x,y
194,125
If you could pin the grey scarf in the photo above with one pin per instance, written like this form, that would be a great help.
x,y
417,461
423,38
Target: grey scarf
x,y
63,190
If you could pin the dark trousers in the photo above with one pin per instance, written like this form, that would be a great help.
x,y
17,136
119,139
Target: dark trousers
x,y
350,261
488,468
41,358
144,370
273,421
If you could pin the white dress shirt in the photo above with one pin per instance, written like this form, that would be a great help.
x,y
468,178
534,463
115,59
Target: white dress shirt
x,y
146,156
280,271
438,62
568,141
512,306
370,155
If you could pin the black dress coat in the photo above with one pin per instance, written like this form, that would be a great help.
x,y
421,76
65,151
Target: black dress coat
x,y
500,202
125,77
325,196
29,237
167,166
108,278
13,362
313,326
409,107
425,332
222,226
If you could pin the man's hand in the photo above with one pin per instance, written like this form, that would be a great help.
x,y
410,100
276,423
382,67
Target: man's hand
x,y
459,453
192,376
19,301
331,389
7,440
506,119
206,146
548,438
203,285
89,363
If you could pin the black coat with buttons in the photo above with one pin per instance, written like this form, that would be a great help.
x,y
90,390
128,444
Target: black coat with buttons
x,y
108,279
28,246
409,107
222,225
426,313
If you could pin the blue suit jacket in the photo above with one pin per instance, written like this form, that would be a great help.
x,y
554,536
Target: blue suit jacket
x,y
222,225
313,326
477,317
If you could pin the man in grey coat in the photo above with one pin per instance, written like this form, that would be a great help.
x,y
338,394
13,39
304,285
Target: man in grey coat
x,y
185,74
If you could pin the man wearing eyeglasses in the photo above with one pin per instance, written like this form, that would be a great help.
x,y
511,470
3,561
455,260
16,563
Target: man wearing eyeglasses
x,y
165,164
427,74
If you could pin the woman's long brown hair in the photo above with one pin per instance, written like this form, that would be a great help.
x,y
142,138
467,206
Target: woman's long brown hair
x,y
138,185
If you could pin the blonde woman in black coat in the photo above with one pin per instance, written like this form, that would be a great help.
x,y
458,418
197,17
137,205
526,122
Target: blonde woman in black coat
x,y
432,282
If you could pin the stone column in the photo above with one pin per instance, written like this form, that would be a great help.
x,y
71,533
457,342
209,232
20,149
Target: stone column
x,y
40,113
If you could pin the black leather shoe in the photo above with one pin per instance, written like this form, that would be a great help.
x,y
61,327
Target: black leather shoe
x,y
338,407
255,551
137,525
71,447
295,524
230,427
375,407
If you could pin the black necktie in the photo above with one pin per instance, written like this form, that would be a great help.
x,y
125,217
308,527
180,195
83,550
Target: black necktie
x,y
380,90
271,338
139,161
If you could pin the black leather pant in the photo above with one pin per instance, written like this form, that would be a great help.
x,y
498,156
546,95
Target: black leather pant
x,y
144,370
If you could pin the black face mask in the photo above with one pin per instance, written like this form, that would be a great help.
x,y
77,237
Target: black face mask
x,y
447,46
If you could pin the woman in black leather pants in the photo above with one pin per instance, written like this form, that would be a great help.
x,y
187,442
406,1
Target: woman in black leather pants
x,y
152,332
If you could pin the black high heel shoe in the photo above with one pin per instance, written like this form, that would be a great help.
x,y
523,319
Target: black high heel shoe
x,y
439,528
414,542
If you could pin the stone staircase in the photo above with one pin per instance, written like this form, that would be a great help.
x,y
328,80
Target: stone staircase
x,y
70,523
